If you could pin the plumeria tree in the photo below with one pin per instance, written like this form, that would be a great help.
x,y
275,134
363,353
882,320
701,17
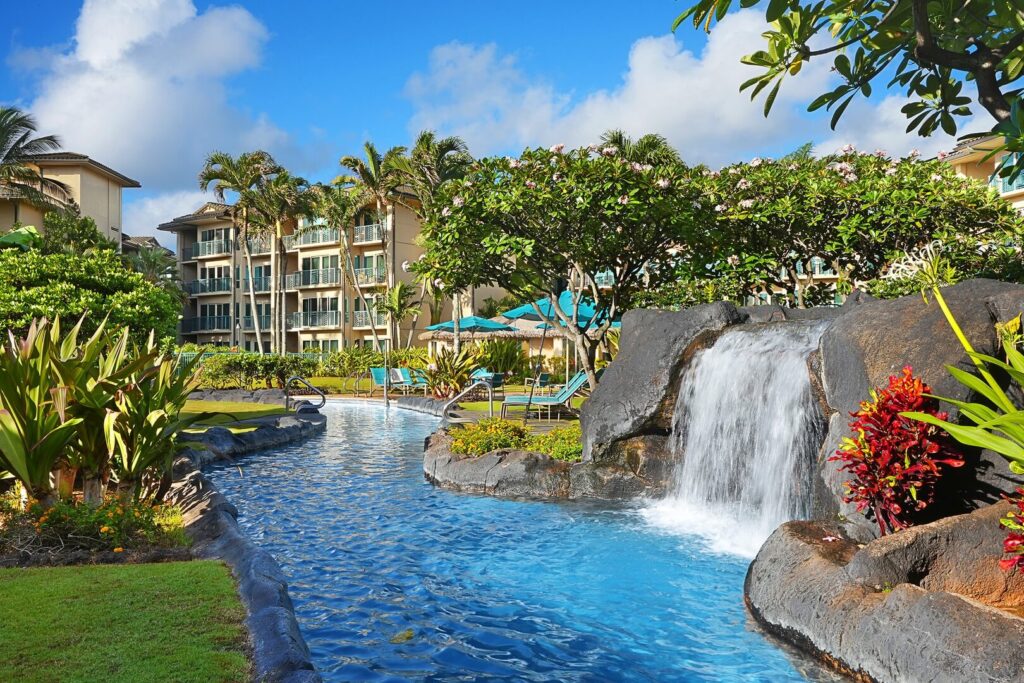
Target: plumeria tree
x,y
854,211
928,49
586,221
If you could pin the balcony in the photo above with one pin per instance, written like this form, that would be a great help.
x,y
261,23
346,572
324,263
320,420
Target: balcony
x,y
370,277
264,320
605,279
368,234
259,245
323,235
313,278
209,323
208,286
259,284
362,319
304,319
211,248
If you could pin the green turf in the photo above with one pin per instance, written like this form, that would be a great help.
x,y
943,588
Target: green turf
x,y
177,622
481,406
231,411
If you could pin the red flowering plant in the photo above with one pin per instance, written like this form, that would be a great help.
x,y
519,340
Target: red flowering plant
x,y
1013,544
895,460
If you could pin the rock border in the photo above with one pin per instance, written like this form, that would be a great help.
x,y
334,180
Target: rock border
x,y
919,605
279,652
509,473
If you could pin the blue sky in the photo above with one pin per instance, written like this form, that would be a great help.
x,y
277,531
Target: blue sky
x,y
150,86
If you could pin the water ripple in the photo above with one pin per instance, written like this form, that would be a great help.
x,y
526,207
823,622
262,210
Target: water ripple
x,y
395,580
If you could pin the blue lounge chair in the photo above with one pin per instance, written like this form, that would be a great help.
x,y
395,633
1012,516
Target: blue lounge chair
x,y
560,399
541,382
495,379
413,379
379,377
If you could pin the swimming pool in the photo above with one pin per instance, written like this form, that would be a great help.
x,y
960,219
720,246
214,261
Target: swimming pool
x,y
394,579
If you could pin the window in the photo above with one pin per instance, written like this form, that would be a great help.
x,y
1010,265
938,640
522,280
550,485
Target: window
x,y
215,234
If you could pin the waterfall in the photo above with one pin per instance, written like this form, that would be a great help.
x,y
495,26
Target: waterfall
x,y
748,430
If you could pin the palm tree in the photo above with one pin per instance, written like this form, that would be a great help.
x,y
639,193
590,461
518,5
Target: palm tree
x,y
377,180
398,306
277,200
338,206
17,147
243,176
648,149
431,163
159,266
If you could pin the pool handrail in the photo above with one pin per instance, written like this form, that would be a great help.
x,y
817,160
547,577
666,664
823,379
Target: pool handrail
x,y
467,390
302,380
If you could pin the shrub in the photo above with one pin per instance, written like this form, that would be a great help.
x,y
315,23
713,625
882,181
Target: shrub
x,y
894,459
35,285
504,356
488,435
564,443
448,372
114,524
243,370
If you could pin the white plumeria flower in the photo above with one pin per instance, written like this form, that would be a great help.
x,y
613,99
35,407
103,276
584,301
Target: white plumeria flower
x,y
458,201
557,149
624,199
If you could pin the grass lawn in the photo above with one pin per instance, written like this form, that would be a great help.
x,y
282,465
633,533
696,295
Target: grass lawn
x,y
481,406
165,622
231,411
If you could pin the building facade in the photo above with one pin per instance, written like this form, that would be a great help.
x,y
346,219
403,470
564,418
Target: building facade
x,y
323,309
968,159
94,188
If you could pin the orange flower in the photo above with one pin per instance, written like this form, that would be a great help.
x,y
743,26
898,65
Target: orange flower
x,y
118,549
104,529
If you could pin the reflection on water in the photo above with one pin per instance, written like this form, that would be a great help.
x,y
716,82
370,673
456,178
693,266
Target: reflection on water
x,y
394,579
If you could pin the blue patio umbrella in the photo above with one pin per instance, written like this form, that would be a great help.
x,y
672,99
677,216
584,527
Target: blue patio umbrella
x,y
587,313
472,323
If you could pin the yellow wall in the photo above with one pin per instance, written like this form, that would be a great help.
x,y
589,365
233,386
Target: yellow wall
x,y
97,196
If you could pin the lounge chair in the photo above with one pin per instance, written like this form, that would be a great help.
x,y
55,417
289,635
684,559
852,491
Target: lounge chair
x,y
561,399
379,377
413,379
542,382
401,381
495,379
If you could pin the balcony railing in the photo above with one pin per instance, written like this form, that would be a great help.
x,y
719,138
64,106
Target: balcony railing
x,y
211,248
313,236
259,284
264,320
370,276
605,279
313,278
364,318
368,234
50,193
259,245
209,285
314,319
209,323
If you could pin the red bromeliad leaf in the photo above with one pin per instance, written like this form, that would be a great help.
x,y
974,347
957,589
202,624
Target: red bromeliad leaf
x,y
894,461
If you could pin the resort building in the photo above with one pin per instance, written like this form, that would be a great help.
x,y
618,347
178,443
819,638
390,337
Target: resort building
x,y
323,309
94,188
968,159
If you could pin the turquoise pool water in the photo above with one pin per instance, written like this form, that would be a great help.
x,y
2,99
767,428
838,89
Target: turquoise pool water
x,y
396,580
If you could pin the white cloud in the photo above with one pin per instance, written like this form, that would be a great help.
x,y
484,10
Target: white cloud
x,y
691,98
142,89
142,216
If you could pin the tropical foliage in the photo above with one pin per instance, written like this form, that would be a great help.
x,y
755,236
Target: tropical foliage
x,y
448,371
780,223
930,50
894,460
65,231
554,219
492,434
18,144
102,405
36,285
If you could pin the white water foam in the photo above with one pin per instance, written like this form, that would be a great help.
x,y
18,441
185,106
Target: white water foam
x,y
748,431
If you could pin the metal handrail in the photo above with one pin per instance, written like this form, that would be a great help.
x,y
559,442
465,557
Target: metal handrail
x,y
479,382
302,380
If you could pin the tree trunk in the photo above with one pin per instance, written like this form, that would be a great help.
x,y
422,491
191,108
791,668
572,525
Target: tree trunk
x,y
251,288
282,256
351,267
63,479
273,292
456,319
92,489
